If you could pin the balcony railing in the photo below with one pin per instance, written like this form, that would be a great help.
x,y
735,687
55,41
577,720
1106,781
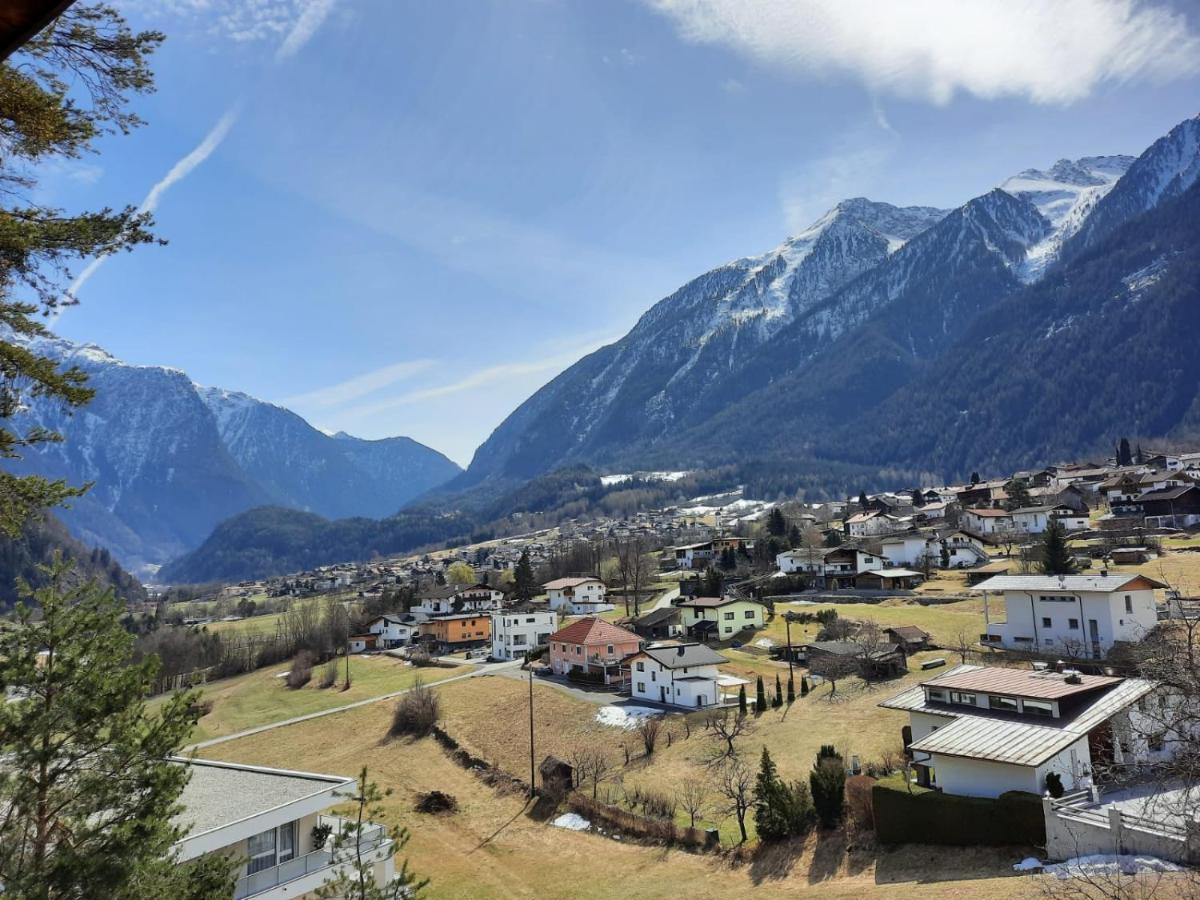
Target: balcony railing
x,y
373,838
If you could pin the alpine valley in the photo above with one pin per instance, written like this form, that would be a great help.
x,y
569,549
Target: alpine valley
x,y
1032,323
169,459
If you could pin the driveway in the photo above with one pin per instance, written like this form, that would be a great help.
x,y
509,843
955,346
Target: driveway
x,y
598,695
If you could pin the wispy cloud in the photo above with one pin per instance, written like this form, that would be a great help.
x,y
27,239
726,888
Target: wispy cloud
x,y
176,174
847,169
932,49
312,16
486,377
359,386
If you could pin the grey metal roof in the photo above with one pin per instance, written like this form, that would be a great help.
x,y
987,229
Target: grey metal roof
x,y
1102,583
220,794
678,656
657,616
894,573
997,740
977,734
1047,685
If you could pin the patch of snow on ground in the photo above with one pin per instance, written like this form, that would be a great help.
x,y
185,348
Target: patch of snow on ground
x,y
1109,864
764,642
1028,864
625,717
572,822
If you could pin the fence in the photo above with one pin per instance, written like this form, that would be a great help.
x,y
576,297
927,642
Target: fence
x,y
1078,825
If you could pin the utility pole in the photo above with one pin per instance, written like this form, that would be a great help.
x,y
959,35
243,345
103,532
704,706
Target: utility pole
x,y
532,770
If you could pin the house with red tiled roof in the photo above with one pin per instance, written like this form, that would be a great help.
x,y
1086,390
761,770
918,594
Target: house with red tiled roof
x,y
592,649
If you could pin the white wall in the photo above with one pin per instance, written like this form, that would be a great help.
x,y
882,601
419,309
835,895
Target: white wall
x,y
978,778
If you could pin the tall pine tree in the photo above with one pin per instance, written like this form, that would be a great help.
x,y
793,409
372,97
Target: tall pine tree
x,y
89,795
64,89
525,586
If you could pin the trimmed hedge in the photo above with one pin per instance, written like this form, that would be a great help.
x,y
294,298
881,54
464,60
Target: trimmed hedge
x,y
933,817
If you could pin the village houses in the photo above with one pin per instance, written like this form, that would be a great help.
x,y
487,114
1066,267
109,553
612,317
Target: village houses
x,y
517,630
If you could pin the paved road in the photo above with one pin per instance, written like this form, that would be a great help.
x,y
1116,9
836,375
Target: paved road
x,y
600,698
485,669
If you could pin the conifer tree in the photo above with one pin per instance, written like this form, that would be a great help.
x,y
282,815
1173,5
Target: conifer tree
x,y
525,586
760,697
60,92
742,702
1124,457
89,793
827,782
1056,555
777,700
803,685
781,810
776,523
791,693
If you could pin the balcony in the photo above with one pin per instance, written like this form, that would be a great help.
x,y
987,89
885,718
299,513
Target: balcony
x,y
308,872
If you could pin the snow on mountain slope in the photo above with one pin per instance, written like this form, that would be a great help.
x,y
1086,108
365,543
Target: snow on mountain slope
x,y
170,459
1166,169
1065,194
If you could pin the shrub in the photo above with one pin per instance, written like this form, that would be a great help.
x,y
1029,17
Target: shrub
x,y
417,711
933,817
781,810
649,728
320,834
329,676
828,783
201,707
301,672
436,802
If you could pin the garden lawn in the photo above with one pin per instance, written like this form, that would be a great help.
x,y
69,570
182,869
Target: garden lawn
x,y
942,620
254,625
261,697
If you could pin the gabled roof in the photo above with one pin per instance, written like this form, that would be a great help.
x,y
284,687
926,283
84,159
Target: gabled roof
x,y
559,584
713,602
1173,493
1106,584
894,573
987,513
657,616
863,516
907,632
680,656
590,630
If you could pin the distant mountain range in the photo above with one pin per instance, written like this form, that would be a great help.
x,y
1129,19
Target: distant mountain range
x,y
170,459
799,352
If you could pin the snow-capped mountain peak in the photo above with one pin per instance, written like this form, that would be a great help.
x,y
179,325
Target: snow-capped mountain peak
x,y
1065,194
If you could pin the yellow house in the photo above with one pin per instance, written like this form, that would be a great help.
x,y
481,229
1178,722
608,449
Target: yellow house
x,y
720,618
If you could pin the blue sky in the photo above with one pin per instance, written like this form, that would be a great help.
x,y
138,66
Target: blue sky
x,y
404,217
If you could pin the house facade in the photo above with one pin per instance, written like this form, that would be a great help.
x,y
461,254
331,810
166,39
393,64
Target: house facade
x,y
593,649
1078,616
987,522
681,675
461,631
262,820
577,596
980,731
720,618
516,631
457,598
903,549
393,631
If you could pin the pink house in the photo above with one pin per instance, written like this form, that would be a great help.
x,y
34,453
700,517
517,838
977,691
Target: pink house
x,y
593,647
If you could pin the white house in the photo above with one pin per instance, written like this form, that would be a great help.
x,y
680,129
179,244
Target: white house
x,y
263,820
980,731
720,618
693,556
988,522
961,550
903,549
393,631
1069,615
456,598
683,675
577,596
809,560
872,522
516,631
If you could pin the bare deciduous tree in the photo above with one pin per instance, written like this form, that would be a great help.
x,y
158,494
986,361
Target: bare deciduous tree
x,y
648,729
735,784
693,798
726,728
592,767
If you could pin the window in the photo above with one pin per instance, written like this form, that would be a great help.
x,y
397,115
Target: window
x,y
937,695
1046,623
261,850
1073,624
287,841
641,686
578,650
1128,603
641,666
749,614
963,698
1038,708
654,676
610,649
1004,704
729,616
728,630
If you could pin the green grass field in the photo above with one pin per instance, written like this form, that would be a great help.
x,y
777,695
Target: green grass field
x,y
259,698
255,625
